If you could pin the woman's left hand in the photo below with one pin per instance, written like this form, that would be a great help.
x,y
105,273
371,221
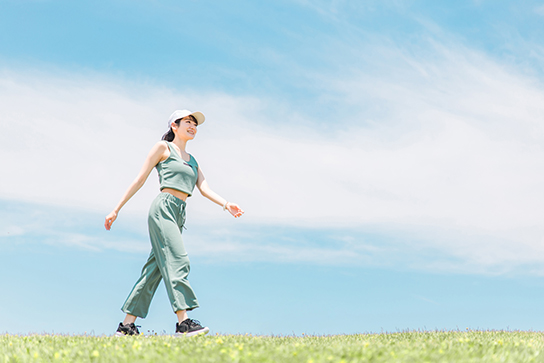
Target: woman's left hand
x,y
234,209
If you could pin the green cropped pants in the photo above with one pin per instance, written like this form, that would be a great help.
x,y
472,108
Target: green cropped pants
x,y
168,260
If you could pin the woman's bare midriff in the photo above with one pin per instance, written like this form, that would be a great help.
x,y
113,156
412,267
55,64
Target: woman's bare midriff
x,y
176,193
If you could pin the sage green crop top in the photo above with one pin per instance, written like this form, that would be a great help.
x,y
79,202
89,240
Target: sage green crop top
x,y
176,173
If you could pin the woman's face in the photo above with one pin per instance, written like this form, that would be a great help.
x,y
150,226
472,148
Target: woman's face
x,y
186,129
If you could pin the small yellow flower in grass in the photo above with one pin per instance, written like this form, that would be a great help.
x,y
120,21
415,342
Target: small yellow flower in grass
x,y
219,341
57,355
36,355
441,351
137,345
10,344
95,353
310,360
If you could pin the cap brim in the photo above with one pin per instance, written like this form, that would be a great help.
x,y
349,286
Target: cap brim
x,y
199,116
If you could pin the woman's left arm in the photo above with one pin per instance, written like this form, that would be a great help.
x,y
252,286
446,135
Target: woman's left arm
x,y
205,190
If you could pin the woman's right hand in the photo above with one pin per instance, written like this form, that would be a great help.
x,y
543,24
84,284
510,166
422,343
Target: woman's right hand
x,y
110,218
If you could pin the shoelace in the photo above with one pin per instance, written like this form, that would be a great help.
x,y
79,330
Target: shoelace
x,y
193,322
131,326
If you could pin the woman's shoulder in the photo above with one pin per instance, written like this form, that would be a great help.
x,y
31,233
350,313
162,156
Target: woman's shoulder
x,y
161,145
161,150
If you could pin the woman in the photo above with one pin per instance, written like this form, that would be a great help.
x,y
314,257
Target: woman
x,y
178,173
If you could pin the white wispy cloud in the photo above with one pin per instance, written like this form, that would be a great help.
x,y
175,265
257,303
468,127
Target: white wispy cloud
x,y
11,230
442,146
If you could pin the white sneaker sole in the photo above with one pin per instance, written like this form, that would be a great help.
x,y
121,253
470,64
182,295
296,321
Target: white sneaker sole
x,y
202,331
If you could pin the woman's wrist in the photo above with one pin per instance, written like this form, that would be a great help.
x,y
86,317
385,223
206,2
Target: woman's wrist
x,y
225,206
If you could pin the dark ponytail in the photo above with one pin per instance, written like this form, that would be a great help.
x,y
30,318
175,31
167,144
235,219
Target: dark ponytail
x,y
169,136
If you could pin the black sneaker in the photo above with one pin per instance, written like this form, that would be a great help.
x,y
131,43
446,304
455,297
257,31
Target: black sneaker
x,y
190,327
129,329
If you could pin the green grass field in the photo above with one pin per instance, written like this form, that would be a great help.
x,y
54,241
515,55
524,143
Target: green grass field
x,y
457,346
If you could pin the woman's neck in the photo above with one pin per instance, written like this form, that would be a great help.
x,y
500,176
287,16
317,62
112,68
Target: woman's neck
x,y
180,143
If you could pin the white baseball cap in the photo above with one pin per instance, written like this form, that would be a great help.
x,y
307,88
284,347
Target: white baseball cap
x,y
199,116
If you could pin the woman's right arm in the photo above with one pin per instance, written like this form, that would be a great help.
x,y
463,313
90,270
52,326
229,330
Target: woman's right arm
x,y
153,158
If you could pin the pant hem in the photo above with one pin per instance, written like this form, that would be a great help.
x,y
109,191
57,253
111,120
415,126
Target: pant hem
x,y
131,313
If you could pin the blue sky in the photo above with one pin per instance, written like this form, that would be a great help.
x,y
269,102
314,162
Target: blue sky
x,y
388,154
